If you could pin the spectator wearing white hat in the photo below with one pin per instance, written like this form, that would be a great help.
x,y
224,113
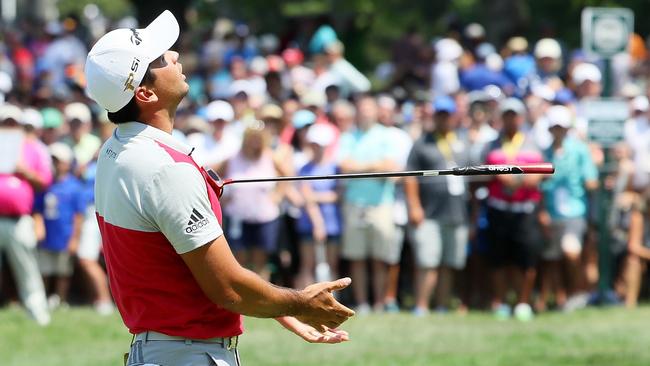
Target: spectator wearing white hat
x,y
320,223
444,70
586,79
565,209
548,54
217,142
637,135
84,144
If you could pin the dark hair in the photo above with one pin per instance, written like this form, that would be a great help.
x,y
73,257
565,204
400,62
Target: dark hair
x,y
131,111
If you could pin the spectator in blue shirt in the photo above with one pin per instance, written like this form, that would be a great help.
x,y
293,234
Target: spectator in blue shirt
x,y
479,75
61,209
565,207
320,222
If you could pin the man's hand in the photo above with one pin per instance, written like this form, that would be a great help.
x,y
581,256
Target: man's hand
x,y
323,311
310,334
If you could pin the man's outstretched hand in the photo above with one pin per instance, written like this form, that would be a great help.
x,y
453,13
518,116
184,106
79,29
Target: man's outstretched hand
x,y
310,334
322,311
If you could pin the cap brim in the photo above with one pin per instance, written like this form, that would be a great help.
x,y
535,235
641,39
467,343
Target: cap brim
x,y
160,34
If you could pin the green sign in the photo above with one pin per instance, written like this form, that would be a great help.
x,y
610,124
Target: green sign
x,y
606,31
606,117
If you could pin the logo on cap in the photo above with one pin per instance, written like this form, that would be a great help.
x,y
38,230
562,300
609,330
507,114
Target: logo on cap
x,y
135,37
128,84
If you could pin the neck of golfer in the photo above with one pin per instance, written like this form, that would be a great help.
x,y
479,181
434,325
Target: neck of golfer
x,y
162,119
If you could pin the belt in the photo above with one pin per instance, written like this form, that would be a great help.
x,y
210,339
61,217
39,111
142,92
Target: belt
x,y
227,342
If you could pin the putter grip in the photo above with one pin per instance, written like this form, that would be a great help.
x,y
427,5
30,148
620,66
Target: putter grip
x,y
504,169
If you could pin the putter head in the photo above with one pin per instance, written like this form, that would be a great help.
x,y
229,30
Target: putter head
x,y
216,179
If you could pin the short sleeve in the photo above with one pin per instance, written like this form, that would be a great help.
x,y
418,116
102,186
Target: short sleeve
x,y
79,202
177,203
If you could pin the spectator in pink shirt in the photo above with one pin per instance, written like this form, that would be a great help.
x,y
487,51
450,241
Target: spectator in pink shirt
x,y
17,232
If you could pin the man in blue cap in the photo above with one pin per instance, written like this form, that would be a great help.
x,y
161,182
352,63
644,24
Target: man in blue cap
x,y
437,209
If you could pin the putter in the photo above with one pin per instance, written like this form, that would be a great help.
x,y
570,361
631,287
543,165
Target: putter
x,y
544,168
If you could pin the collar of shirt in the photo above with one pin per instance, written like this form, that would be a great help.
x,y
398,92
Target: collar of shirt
x,y
131,129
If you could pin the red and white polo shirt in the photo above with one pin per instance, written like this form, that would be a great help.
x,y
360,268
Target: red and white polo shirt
x,y
153,203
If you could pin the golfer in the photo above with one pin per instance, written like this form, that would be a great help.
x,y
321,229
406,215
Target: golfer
x,y
174,279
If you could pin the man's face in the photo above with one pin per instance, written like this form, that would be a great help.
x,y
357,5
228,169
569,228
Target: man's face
x,y
511,120
442,121
367,110
558,132
169,83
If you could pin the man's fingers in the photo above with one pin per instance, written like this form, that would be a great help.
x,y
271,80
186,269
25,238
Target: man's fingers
x,y
339,284
343,310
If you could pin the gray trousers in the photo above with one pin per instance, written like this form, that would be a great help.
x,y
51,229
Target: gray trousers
x,y
18,242
147,352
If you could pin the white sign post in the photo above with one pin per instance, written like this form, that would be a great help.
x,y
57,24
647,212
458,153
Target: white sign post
x,y
606,31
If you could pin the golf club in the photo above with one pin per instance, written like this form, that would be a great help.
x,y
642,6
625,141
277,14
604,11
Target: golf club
x,y
545,168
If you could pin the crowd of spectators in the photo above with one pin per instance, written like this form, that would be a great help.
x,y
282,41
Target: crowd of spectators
x,y
258,107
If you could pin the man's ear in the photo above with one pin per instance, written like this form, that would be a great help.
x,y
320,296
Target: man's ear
x,y
145,95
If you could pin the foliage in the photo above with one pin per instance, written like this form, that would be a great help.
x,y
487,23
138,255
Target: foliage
x,y
111,8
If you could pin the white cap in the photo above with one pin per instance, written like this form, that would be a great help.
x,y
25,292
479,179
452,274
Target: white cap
x,y
313,98
320,134
585,71
548,47
118,61
559,115
512,105
640,103
259,65
61,152
78,111
10,111
447,49
32,117
219,109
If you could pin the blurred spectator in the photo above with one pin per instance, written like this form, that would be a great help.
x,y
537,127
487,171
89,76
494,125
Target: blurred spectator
x,y
479,75
637,135
367,211
320,222
64,50
438,210
548,55
53,128
519,64
26,171
253,233
352,81
513,233
90,241
216,140
403,143
83,142
61,209
444,71
565,210
638,249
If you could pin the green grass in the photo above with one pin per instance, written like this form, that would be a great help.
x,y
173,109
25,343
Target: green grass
x,y
591,337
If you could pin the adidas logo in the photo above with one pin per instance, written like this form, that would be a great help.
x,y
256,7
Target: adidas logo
x,y
196,222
